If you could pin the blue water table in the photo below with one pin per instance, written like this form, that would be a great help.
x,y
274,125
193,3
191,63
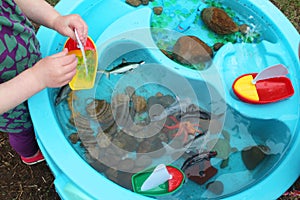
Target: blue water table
x,y
163,110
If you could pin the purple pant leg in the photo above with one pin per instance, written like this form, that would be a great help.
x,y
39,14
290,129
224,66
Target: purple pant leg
x,y
24,143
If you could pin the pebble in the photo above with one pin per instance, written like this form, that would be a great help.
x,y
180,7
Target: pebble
x,y
252,156
218,21
215,187
158,10
191,50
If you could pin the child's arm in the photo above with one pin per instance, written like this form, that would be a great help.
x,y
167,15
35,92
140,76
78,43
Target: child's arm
x,y
43,13
53,71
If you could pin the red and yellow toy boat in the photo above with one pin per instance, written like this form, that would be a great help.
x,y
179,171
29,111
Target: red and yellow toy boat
x,y
263,91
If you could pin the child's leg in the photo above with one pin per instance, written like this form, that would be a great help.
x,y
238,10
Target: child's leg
x,y
17,123
24,143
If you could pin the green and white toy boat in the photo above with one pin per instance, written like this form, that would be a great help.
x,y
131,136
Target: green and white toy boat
x,y
158,181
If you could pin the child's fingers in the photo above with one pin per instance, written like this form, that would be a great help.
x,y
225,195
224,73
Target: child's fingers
x,y
60,54
81,28
69,66
66,60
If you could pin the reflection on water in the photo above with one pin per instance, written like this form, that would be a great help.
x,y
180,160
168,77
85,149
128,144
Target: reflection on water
x,y
151,115
113,127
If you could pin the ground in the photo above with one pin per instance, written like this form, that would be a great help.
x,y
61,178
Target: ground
x,y
19,181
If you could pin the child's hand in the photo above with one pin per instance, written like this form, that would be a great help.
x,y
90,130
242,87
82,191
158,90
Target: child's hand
x,y
66,25
56,70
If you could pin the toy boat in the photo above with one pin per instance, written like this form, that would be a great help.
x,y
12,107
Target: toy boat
x,y
86,74
158,181
263,91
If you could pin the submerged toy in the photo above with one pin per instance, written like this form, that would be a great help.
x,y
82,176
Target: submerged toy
x,y
122,68
62,94
186,24
87,63
158,181
198,167
184,128
268,86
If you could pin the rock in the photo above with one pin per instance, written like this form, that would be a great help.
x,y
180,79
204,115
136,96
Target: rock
x,y
80,122
124,179
126,165
166,100
252,156
217,46
144,147
163,100
168,54
191,50
145,2
103,140
215,187
158,10
99,166
110,160
139,103
100,110
121,113
143,161
112,174
125,141
244,29
134,3
159,94
74,138
130,91
218,21
224,163
215,126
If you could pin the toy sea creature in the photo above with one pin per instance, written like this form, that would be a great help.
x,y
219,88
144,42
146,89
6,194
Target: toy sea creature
x,y
87,63
158,181
222,147
198,167
122,68
184,128
194,114
270,85
186,24
63,94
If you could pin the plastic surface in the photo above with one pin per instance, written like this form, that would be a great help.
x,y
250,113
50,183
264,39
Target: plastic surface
x,y
278,121
87,64
167,187
271,72
160,175
263,91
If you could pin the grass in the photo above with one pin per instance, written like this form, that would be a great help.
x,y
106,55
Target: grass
x,y
291,9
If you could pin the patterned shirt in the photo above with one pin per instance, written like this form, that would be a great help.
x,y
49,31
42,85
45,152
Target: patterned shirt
x,y
19,50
